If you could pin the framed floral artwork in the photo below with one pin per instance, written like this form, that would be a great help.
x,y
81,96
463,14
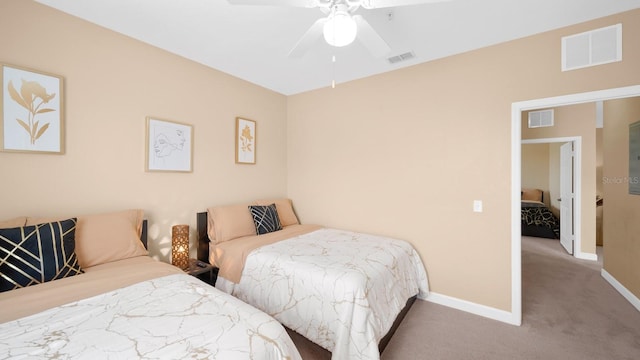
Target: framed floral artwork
x,y
169,146
245,141
32,117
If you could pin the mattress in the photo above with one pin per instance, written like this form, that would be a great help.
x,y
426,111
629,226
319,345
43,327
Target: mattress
x,y
136,308
340,289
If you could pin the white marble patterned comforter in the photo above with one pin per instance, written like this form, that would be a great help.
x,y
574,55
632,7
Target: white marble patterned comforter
x,y
172,317
340,289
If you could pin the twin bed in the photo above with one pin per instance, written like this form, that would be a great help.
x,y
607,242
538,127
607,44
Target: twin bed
x,y
537,219
344,291
118,303
85,287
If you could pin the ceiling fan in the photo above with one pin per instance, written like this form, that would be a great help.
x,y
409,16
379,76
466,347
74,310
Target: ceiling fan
x,y
340,27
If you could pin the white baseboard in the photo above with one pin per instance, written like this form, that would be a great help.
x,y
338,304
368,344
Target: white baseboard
x,y
587,256
508,317
477,309
621,289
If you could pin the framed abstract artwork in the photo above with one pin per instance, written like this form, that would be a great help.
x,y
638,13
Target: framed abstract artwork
x,y
169,146
245,141
32,116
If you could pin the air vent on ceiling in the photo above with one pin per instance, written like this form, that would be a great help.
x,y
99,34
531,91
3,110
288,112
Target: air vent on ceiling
x,y
595,47
540,118
401,57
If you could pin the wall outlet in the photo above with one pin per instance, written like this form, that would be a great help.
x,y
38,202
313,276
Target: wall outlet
x,y
477,205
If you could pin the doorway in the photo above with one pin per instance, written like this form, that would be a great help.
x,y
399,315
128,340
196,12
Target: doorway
x,y
570,223
516,138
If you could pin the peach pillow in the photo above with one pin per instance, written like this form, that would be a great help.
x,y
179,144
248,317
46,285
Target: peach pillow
x,y
103,238
532,194
284,208
13,223
229,222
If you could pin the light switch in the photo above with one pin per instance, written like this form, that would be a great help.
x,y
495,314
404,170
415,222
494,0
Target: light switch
x,y
477,205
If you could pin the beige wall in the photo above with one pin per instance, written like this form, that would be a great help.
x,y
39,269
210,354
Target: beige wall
x,y
621,210
535,168
541,170
569,121
112,83
405,153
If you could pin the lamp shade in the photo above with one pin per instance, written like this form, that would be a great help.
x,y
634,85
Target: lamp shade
x,y
340,29
180,246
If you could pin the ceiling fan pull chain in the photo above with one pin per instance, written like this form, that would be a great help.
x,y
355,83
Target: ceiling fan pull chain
x,y
333,72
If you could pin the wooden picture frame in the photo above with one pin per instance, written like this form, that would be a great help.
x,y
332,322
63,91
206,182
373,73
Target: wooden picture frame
x,y
246,140
32,116
169,146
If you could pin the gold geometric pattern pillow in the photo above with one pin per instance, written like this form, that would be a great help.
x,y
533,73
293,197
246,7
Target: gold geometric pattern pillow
x,y
35,254
265,218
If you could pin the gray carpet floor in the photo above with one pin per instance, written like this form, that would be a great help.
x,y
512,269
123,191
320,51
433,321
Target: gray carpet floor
x,y
569,312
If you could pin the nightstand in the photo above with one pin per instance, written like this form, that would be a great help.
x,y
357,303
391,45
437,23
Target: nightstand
x,y
203,271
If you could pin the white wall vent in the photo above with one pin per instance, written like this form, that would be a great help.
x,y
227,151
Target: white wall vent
x,y
595,47
401,57
541,118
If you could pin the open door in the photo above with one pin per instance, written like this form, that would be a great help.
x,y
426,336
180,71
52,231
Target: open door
x,y
566,197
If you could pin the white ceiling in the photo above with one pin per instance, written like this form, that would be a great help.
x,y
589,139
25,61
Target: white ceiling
x,y
252,42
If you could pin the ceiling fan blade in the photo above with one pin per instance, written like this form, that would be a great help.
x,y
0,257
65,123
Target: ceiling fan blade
x,y
295,3
377,4
307,40
370,38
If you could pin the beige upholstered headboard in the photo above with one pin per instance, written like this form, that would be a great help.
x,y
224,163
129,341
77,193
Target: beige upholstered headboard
x,y
532,195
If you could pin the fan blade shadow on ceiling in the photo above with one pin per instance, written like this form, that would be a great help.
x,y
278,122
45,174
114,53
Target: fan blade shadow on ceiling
x,y
370,38
308,39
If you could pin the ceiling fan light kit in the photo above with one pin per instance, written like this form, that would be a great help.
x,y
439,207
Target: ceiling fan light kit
x,y
340,29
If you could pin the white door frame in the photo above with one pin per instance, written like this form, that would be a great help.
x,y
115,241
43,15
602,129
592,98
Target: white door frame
x,y
577,189
516,163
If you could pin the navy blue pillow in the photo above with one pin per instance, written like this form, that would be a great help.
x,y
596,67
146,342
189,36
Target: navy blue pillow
x,y
265,218
36,254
